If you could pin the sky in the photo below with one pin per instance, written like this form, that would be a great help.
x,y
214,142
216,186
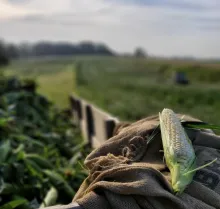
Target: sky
x,y
161,27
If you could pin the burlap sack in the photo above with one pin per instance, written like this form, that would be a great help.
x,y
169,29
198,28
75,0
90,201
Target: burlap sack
x,y
125,173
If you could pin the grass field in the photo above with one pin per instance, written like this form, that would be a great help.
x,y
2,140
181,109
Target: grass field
x,y
55,77
128,88
135,88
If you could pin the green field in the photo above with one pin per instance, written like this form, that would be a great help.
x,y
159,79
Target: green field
x,y
126,87
133,88
55,78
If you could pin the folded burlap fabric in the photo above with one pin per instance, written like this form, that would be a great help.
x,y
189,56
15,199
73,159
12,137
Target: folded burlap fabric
x,y
127,173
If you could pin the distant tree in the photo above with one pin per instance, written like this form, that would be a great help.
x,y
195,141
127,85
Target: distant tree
x,y
102,49
12,51
47,48
25,50
4,60
139,52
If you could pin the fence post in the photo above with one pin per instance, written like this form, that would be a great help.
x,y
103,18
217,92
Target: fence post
x,y
96,125
89,124
76,109
110,126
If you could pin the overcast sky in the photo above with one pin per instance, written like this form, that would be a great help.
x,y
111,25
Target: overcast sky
x,y
162,27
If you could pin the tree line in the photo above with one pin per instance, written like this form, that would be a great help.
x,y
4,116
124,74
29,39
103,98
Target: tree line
x,y
45,48
4,58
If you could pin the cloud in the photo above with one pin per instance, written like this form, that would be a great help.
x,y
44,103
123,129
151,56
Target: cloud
x,y
181,4
17,1
8,11
53,6
163,27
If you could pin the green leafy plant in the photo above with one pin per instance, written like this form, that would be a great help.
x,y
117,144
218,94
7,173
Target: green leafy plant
x,y
38,146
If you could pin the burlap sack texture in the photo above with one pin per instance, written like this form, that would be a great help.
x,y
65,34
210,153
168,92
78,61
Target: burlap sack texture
x,y
126,173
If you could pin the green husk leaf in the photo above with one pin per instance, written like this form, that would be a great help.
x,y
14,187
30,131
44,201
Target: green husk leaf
x,y
199,168
200,125
154,133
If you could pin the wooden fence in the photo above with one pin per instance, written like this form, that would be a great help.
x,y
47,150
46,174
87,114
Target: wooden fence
x,y
96,125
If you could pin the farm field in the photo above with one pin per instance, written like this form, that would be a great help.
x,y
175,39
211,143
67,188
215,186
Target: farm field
x,y
126,87
55,78
135,88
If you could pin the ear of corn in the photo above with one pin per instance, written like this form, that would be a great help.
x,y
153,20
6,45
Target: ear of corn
x,y
178,150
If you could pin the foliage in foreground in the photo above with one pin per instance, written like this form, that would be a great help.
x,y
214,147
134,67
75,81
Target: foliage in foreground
x,y
40,149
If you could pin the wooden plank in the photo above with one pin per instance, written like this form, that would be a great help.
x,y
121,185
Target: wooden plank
x,y
103,124
95,142
96,125
83,121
